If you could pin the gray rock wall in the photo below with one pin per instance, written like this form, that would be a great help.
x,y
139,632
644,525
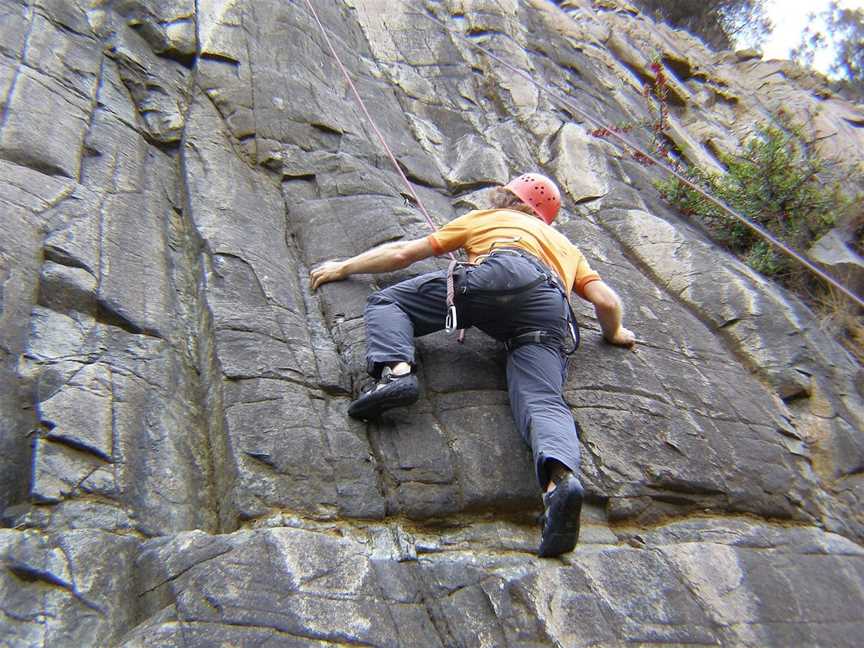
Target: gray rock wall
x,y
176,465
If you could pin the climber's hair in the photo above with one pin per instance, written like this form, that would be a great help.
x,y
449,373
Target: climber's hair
x,y
501,198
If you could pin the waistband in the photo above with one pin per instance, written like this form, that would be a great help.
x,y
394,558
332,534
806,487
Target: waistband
x,y
538,263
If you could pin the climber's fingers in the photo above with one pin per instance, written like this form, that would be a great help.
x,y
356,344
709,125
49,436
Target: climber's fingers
x,y
327,272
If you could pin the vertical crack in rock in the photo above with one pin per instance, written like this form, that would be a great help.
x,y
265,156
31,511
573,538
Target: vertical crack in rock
x,y
191,348
323,343
7,104
94,104
221,473
388,484
249,34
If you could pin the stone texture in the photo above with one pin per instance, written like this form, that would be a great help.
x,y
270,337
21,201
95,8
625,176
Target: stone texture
x,y
168,27
834,251
51,95
25,196
65,588
176,465
676,590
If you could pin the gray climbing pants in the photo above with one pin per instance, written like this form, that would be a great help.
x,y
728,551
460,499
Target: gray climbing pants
x,y
488,298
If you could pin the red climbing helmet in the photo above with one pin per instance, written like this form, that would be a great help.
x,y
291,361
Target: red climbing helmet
x,y
539,192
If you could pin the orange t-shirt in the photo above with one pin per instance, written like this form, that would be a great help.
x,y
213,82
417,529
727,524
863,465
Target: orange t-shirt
x,y
478,230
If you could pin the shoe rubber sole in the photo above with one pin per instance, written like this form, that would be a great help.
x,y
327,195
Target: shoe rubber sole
x,y
372,405
561,525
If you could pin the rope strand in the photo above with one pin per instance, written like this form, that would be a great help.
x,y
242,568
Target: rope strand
x,y
371,121
461,337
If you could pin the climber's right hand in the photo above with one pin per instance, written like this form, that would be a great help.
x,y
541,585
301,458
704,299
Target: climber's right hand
x,y
327,272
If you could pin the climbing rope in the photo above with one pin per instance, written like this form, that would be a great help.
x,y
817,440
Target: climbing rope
x,y
567,103
371,121
362,104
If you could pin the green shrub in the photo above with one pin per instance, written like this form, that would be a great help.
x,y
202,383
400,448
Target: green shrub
x,y
778,181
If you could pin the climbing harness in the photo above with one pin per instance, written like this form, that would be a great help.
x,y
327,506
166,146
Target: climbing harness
x,y
568,317
568,104
457,274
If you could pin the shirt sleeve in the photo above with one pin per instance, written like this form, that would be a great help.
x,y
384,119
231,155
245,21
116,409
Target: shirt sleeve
x,y
584,276
452,236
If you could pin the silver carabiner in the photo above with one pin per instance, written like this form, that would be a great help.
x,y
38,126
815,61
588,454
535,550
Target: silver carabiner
x,y
451,323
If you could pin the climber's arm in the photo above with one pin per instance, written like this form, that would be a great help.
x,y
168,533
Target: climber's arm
x,y
384,258
607,306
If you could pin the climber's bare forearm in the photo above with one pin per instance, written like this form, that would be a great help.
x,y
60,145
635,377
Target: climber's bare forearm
x,y
384,258
607,307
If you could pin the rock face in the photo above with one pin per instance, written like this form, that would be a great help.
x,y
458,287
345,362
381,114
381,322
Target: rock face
x,y
176,465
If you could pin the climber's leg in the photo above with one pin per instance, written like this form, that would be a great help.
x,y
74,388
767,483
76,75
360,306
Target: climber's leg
x,y
396,315
535,380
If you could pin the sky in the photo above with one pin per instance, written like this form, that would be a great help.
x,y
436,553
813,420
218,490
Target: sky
x,y
790,18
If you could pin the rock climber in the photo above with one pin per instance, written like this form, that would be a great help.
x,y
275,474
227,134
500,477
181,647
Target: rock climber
x,y
515,287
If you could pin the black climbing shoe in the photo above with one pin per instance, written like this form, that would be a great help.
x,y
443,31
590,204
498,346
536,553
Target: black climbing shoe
x,y
561,520
389,392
